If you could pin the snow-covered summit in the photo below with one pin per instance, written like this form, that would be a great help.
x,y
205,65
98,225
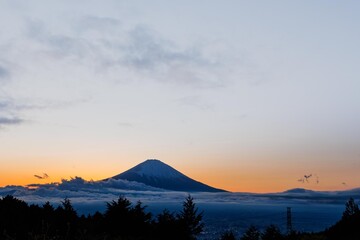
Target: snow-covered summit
x,y
156,168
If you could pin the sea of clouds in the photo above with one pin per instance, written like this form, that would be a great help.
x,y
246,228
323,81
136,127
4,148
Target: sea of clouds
x,y
312,210
80,190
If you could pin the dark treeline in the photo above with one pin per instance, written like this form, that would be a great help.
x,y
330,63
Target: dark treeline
x,y
348,228
121,220
124,220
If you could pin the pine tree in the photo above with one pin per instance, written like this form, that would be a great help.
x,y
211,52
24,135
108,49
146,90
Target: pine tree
x,y
167,226
351,208
69,210
252,233
190,219
65,219
272,232
117,217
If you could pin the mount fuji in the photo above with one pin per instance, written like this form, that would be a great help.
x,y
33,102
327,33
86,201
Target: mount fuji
x,y
157,174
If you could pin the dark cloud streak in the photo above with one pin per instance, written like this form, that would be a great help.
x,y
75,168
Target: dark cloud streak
x,y
44,176
9,113
10,121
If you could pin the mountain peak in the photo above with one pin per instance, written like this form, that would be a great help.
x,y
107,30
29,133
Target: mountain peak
x,y
298,190
155,173
155,168
152,161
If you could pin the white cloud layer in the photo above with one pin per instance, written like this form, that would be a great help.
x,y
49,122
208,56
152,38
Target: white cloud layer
x,y
80,190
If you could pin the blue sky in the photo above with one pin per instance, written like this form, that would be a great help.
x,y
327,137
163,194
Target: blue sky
x,y
227,92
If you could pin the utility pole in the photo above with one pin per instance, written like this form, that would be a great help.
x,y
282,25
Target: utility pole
x,y
288,220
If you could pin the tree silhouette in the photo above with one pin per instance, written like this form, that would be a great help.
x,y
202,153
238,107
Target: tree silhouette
x,y
167,226
96,224
14,214
140,221
139,214
65,219
252,233
272,232
351,208
190,219
117,217
125,221
348,228
121,220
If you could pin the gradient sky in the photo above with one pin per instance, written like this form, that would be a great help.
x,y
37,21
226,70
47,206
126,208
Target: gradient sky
x,y
242,95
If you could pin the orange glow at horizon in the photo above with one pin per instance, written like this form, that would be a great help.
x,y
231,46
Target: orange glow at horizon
x,y
234,185
256,180
249,173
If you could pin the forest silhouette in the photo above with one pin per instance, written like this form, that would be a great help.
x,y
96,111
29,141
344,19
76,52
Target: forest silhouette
x,y
124,220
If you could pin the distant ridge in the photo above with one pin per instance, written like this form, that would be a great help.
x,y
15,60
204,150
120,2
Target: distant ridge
x,y
157,174
299,190
354,191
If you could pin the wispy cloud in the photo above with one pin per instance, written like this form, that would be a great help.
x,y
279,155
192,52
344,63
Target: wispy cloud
x,y
55,44
4,104
9,105
162,59
4,72
143,51
12,110
54,57
8,114
146,50
10,121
